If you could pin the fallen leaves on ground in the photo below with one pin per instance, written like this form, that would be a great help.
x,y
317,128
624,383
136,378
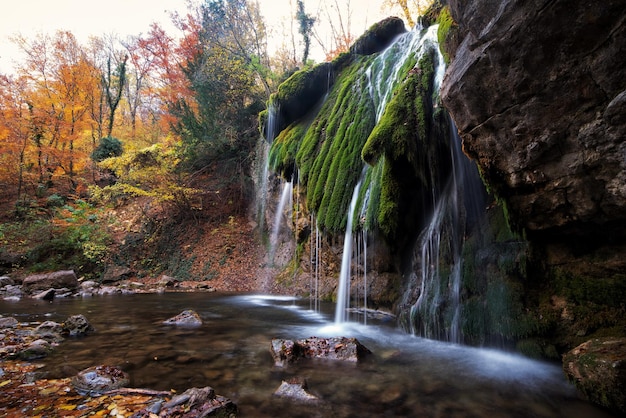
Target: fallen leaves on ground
x,y
20,397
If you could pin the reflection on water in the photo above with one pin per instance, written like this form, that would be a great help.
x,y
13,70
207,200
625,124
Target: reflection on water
x,y
406,377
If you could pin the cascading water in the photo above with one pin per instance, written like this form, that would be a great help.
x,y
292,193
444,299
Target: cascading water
x,y
382,79
262,163
343,289
278,217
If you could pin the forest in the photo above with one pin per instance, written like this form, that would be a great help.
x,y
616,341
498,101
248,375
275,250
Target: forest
x,y
86,128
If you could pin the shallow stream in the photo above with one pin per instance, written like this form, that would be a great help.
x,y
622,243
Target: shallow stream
x,y
406,377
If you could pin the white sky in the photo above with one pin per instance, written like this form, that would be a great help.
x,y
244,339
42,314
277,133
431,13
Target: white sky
x,y
86,18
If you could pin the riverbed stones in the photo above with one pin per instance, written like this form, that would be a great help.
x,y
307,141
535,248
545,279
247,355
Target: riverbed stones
x,y
344,349
198,402
296,390
187,318
598,369
56,280
99,379
77,325
35,350
50,331
8,322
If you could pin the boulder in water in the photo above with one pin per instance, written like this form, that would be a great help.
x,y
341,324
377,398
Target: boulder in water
x,y
36,350
187,318
99,379
295,389
335,348
77,325
50,331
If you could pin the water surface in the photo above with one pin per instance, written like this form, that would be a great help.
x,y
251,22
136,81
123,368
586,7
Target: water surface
x,y
406,377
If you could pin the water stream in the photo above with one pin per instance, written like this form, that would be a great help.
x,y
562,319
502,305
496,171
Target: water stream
x,y
343,289
406,376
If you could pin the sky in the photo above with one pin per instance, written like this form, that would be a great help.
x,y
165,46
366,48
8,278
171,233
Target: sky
x,y
85,18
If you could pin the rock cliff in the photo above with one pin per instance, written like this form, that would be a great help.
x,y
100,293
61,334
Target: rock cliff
x,y
538,93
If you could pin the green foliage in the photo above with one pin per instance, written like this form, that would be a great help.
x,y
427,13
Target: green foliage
x,y
150,172
107,147
74,240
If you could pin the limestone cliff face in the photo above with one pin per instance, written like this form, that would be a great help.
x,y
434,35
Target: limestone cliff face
x,y
538,92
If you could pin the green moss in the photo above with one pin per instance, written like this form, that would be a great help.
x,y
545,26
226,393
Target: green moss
x,y
446,22
282,156
402,137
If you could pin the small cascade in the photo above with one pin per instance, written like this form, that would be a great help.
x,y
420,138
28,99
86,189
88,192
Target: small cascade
x,y
382,74
343,293
285,198
262,165
433,293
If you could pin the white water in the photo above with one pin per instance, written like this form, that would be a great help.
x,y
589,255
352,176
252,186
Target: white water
x,y
343,293
383,72
278,217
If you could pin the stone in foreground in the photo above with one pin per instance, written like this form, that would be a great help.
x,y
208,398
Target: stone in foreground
x,y
187,318
335,348
295,389
193,403
99,379
598,369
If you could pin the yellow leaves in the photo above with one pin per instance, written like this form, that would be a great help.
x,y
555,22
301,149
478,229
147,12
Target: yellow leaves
x,y
6,382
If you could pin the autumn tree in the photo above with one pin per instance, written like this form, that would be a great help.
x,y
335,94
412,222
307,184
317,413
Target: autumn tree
x,y
15,133
61,78
339,19
226,76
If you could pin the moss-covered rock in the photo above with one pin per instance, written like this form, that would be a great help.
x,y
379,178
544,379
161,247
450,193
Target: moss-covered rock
x,y
598,369
378,36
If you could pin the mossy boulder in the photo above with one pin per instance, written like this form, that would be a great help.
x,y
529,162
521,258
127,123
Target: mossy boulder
x,y
378,36
598,369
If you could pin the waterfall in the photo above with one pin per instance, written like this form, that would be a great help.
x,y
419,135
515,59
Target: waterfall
x,y
262,163
433,292
343,292
278,216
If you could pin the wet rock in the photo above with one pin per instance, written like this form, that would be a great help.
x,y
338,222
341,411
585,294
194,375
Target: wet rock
x,y
8,322
12,292
50,331
598,369
77,325
99,379
5,281
56,280
198,402
295,389
335,348
36,350
88,288
187,318
45,295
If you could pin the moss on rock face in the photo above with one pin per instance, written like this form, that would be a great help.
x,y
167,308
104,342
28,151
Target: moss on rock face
x,y
378,36
404,137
